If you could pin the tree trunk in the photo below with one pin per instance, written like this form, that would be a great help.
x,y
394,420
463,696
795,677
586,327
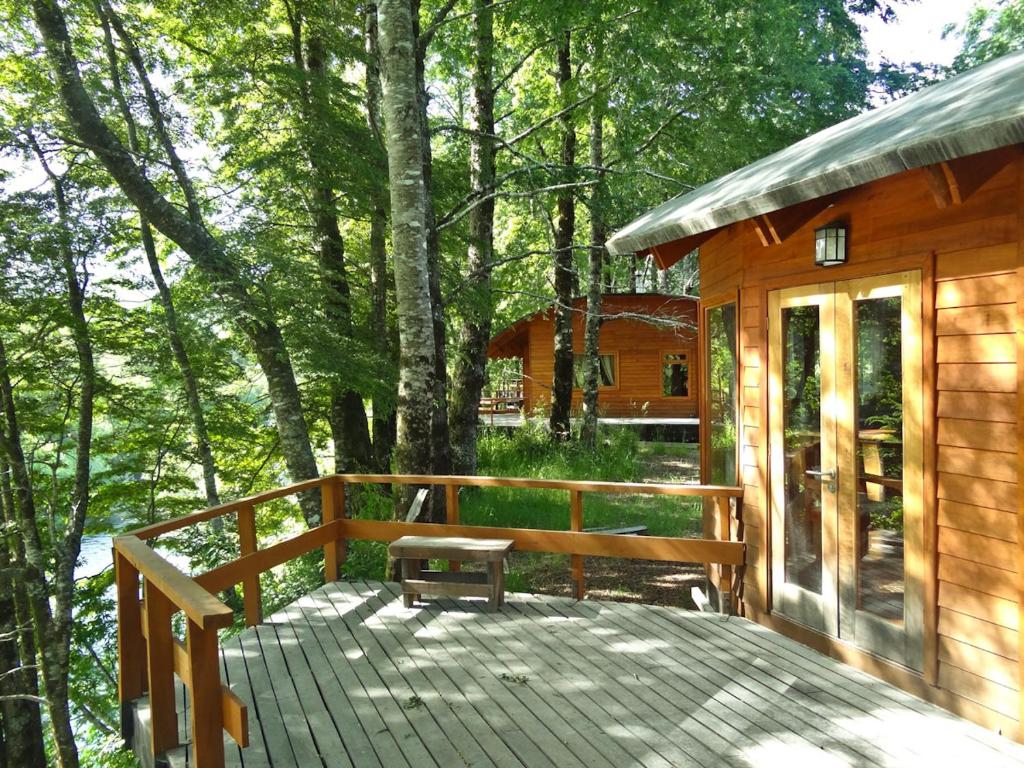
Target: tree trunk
x,y
598,234
565,271
383,408
253,317
404,142
632,273
471,354
440,440
349,428
22,728
36,566
200,433
23,724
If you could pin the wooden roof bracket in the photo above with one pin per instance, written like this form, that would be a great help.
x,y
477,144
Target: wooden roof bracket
x,y
952,182
775,227
667,254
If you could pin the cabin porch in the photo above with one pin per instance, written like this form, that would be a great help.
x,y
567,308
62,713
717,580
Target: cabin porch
x,y
348,676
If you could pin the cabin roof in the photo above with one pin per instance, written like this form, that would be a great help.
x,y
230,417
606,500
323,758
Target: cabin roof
x,y
976,111
510,341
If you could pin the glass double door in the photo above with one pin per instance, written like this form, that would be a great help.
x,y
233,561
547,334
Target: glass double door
x,y
845,483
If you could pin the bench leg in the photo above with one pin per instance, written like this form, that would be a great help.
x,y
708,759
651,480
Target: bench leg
x,y
410,570
496,585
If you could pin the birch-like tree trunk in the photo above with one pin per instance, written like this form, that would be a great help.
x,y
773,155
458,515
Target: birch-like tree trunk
x,y
598,234
404,141
186,229
383,408
471,351
565,270
440,440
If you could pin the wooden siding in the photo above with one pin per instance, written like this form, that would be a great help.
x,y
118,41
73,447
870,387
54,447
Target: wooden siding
x,y
972,251
638,347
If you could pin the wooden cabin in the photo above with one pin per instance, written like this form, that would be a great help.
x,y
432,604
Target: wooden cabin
x,y
862,296
648,348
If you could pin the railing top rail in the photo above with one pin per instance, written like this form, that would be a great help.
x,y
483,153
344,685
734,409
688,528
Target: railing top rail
x,y
210,513
198,604
584,486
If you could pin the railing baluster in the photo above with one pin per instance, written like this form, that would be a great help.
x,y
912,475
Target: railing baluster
x,y
160,654
332,496
576,524
131,647
251,594
452,506
207,714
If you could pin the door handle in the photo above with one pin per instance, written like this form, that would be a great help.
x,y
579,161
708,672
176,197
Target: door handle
x,y
826,475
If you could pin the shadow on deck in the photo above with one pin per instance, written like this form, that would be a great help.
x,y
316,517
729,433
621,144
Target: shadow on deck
x,y
346,676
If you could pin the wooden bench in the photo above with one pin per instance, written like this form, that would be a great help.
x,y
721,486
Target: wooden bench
x,y
411,550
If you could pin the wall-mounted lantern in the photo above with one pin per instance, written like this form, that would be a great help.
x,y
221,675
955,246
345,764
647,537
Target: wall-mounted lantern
x,y
830,245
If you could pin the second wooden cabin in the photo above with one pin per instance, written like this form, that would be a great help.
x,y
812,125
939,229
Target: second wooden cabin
x,y
648,349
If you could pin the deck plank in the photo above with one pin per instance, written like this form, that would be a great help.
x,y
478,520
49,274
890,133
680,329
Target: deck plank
x,y
683,732
418,666
497,735
347,676
541,715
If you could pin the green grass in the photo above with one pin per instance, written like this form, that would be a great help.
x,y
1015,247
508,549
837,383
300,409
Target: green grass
x,y
529,452
619,456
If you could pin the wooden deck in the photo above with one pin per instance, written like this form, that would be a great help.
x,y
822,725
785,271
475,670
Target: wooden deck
x,y
348,677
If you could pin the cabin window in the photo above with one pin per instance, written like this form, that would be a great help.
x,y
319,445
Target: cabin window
x,y
605,370
675,374
722,377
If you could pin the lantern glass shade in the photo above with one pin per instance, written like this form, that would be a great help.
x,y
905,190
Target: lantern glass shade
x,y
830,245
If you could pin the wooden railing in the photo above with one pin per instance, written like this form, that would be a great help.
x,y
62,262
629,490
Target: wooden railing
x,y
491,406
150,654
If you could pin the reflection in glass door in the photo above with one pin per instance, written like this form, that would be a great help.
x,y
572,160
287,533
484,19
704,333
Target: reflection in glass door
x,y
881,567
803,454
846,453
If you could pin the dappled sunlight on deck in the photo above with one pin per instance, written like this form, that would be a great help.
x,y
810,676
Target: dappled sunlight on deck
x,y
347,676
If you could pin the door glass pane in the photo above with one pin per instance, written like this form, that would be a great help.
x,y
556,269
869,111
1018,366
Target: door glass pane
x,y
801,388
722,376
879,457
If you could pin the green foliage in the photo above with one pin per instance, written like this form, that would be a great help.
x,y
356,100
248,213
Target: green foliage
x,y
693,89
989,32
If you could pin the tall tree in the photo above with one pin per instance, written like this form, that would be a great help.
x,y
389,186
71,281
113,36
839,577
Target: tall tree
x,y
21,724
182,360
189,231
440,440
565,233
403,130
349,427
383,407
475,333
596,259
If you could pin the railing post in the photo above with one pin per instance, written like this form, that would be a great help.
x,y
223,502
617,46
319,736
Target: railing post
x,y
576,524
207,715
160,647
131,649
251,596
332,495
451,493
725,571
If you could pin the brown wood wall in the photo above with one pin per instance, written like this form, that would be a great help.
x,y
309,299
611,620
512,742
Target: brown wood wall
x,y
968,257
638,346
